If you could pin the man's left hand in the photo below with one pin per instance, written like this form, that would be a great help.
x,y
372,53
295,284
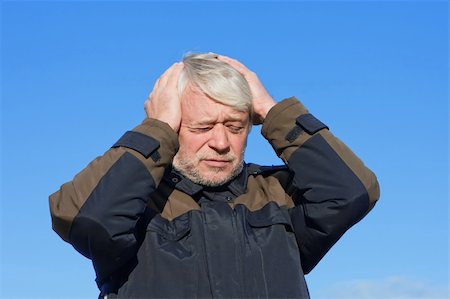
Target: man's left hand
x,y
262,101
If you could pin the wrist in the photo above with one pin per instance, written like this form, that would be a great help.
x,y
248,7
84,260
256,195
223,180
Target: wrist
x,y
264,110
267,108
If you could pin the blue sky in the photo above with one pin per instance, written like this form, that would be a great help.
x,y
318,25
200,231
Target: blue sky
x,y
75,75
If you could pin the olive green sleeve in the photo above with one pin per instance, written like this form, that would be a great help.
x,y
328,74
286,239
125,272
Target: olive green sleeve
x,y
66,203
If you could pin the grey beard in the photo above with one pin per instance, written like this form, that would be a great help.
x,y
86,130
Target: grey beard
x,y
192,173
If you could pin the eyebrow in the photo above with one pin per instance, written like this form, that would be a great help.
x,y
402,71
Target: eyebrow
x,y
212,121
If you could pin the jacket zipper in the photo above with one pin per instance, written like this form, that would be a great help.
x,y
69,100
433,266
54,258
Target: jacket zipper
x,y
205,255
238,251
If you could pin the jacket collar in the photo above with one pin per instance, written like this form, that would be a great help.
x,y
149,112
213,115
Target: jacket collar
x,y
237,186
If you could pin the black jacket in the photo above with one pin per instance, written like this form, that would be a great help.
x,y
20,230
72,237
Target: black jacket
x,y
153,234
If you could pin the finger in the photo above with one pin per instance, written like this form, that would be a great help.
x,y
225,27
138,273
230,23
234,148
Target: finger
x,y
172,79
164,77
234,63
156,84
163,80
155,88
159,81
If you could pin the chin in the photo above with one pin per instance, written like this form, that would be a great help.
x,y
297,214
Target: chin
x,y
215,177
207,175
216,174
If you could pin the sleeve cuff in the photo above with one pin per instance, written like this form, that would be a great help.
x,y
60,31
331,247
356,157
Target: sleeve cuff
x,y
288,125
160,131
284,113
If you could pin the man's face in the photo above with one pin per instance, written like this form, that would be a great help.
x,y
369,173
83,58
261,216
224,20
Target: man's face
x,y
212,139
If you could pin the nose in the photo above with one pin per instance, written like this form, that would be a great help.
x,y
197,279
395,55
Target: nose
x,y
219,139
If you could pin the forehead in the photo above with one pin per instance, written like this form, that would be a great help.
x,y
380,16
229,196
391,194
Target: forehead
x,y
198,107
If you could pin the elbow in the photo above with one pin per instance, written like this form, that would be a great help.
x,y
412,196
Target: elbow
x,y
62,212
373,190
95,240
356,198
363,191
364,198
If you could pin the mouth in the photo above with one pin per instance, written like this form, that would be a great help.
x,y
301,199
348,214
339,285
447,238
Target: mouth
x,y
216,162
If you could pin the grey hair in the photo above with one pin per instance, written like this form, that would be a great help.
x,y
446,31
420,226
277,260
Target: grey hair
x,y
217,79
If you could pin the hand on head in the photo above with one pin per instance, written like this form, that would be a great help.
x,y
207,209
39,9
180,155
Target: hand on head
x,y
163,102
262,101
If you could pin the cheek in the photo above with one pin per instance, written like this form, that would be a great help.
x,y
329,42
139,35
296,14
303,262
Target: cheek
x,y
238,144
191,143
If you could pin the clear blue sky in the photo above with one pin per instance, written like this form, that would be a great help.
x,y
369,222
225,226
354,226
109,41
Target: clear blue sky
x,y
75,76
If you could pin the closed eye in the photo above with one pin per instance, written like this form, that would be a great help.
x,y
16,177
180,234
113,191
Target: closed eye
x,y
200,129
235,129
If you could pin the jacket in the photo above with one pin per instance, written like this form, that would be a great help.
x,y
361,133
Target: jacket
x,y
151,233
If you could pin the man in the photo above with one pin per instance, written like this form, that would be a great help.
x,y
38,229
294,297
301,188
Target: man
x,y
172,211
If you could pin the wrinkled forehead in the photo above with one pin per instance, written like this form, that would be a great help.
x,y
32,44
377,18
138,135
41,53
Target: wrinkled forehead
x,y
199,107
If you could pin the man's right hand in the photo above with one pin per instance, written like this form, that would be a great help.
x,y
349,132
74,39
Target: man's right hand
x,y
163,102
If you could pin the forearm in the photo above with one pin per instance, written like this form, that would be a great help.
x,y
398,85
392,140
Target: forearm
x,y
332,187
100,207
